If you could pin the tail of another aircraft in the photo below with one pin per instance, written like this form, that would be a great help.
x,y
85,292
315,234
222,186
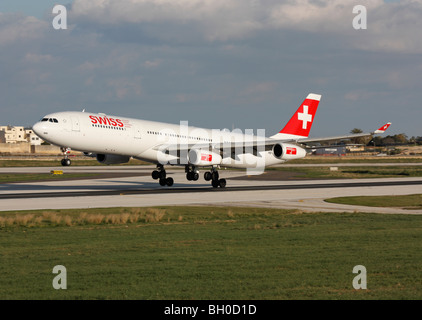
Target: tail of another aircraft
x,y
301,122
383,128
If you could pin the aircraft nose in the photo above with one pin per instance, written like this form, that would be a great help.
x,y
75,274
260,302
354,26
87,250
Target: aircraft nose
x,y
38,128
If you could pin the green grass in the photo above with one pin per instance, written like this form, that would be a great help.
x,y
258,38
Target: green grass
x,y
56,163
355,159
352,172
210,253
25,177
413,201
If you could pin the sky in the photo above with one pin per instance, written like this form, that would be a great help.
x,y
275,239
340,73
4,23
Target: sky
x,y
244,64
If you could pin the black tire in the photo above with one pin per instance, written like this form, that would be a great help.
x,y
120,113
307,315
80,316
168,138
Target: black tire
x,y
169,181
207,176
215,183
215,175
155,174
222,183
195,176
68,162
163,182
162,174
63,162
189,176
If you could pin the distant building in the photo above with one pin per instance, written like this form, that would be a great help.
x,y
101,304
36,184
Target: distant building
x,y
17,134
32,138
341,151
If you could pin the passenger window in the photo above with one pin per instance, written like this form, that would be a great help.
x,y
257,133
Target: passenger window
x,y
50,120
55,120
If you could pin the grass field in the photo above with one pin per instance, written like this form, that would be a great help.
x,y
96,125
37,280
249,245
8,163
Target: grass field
x,y
410,202
85,161
24,177
209,253
352,172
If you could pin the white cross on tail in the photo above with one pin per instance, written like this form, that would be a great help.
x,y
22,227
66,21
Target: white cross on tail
x,y
305,117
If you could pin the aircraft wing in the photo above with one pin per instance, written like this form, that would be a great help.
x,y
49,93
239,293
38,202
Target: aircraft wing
x,y
254,143
250,144
308,141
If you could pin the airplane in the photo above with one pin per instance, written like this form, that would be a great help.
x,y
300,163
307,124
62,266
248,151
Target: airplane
x,y
114,140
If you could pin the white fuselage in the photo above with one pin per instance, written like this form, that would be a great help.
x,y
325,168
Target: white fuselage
x,y
149,140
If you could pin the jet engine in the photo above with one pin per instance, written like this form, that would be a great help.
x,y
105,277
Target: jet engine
x,y
112,159
203,158
285,151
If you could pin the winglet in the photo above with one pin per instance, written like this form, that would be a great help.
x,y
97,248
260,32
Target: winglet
x,y
383,128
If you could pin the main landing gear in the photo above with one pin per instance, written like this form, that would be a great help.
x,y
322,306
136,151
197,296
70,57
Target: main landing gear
x,y
214,177
65,161
192,174
161,176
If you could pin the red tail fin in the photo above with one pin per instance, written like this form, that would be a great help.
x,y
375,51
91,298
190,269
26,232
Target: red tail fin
x,y
301,122
383,128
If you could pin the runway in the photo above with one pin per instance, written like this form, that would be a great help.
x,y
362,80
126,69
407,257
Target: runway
x,y
139,189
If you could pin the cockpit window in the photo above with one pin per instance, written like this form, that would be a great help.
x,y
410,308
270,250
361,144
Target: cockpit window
x,y
54,120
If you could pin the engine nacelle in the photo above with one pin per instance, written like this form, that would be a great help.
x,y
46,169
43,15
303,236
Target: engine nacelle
x,y
285,151
112,159
203,158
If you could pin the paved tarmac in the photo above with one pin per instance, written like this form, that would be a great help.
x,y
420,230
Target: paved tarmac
x,y
141,190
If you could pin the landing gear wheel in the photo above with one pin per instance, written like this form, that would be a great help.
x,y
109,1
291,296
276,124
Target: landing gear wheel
x,y
169,181
66,162
161,175
191,173
215,183
222,183
166,182
155,174
207,176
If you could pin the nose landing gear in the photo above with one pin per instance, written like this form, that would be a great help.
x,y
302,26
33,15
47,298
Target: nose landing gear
x,y
65,161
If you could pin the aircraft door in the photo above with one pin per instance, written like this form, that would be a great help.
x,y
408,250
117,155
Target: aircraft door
x,y
137,133
75,124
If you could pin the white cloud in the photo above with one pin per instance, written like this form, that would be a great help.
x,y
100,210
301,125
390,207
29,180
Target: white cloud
x,y
216,19
15,28
123,88
38,58
392,27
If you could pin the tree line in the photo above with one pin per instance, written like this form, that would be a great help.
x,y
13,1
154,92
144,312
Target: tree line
x,y
390,140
